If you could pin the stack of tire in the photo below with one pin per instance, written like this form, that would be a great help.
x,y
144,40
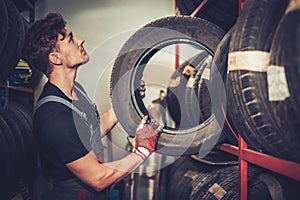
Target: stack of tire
x,y
12,37
13,29
191,179
18,149
261,84
258,60
262,80
17,145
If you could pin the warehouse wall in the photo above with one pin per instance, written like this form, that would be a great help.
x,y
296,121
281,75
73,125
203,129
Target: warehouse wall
x,y
97,20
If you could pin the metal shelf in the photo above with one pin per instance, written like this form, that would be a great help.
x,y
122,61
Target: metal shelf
x,y
287,168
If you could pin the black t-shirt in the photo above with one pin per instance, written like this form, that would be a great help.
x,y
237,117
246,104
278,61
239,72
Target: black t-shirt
x,y
62,135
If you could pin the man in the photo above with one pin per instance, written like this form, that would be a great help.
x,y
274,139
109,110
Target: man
x,y
66,123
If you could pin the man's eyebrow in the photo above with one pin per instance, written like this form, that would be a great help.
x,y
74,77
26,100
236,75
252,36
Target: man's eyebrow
x,y
70,35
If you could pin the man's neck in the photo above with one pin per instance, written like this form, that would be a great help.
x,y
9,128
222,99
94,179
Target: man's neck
x,y
64,80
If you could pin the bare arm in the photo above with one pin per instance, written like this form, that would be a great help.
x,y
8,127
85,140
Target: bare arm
x,y
98,175
107,121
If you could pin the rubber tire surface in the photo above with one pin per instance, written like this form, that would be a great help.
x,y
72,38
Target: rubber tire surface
x,y
285,52
177,103
220,12
178,28
13,43
181,174
227,179
197,113
248,105
37,75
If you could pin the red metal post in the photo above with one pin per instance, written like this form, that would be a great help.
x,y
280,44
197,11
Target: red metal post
x,y
198,8
242,4
243,164
176,45
176,56
243,167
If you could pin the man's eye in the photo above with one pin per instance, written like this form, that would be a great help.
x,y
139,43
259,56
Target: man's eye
x,y
71,38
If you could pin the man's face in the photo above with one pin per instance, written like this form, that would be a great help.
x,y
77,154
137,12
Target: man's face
x,y
71,49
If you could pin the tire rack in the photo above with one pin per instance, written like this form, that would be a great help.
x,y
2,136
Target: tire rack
x,y
287,168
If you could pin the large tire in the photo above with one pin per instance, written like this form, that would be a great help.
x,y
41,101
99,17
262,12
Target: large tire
x,y
223,184
248,105
18,148
285,51
181,174
128,70
184,115
11,166
196,112
218,76
217,90
14,42
220,12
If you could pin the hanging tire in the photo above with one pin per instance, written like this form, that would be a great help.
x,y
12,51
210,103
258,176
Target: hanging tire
x,y
177,83
215,89
220,12
184,115
128,71
283,89
196,112
248,105
13,44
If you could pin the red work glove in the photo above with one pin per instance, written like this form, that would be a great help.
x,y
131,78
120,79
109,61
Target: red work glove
x,y
146,137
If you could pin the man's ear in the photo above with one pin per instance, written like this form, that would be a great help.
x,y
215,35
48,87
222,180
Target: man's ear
x,y
55,58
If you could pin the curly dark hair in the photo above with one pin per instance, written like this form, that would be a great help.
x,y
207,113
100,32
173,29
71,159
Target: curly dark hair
x,y
41,40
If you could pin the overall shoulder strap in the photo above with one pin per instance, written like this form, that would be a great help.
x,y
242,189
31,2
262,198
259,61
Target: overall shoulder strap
x,y
84,94
53,98
89,100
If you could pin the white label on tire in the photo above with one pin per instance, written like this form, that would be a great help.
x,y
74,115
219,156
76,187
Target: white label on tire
x,y
256,61
190,82
217,191
277,84
206,73
206,64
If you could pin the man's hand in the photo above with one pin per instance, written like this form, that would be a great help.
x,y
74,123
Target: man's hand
x,y
146,137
